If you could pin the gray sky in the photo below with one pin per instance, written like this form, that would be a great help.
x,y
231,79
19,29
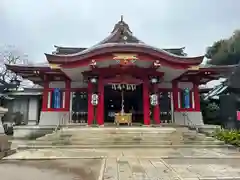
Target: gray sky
x,y
34,26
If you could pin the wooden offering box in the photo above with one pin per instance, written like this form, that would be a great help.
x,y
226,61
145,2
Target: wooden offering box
x,y
123,118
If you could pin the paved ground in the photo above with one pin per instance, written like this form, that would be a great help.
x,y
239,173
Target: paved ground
x,y
60,169
178,154
123,164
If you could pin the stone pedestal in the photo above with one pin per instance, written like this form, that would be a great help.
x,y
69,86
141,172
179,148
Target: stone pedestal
x,y
2,112
4,144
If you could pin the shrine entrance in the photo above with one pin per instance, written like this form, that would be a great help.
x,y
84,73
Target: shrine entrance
x,y
123,98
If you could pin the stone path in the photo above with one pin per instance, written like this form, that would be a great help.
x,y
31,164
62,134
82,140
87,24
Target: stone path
x,y
125,164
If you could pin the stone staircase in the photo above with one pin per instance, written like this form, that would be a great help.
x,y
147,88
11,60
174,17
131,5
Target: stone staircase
x,y
124,137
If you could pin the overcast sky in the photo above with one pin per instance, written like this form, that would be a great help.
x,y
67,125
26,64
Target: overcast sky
x,y
34,26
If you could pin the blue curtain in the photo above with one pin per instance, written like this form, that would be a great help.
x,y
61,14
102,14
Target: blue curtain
x,y
186,98
57,98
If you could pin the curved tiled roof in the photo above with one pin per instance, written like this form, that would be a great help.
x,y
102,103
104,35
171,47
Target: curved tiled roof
x,y
124,47
107,45
67,50
71,50
33,65
121,39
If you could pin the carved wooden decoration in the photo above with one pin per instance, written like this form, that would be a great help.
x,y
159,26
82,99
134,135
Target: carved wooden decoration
x,y
125,59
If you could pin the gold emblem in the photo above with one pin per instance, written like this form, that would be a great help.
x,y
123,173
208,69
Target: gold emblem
x,y
125,56
193,68
54,66
125,59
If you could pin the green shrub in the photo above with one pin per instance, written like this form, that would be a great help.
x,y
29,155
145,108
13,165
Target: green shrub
x,y
229,136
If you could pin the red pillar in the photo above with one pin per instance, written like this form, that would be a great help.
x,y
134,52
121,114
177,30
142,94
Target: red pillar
x,y
156,110
100,109
146,107
67,94
196,97
45,95
175,94
90,106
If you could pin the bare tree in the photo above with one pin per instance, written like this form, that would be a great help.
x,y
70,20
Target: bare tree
x,y
10,55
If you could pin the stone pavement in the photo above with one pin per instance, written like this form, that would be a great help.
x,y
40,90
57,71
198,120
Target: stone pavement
x,y
127,164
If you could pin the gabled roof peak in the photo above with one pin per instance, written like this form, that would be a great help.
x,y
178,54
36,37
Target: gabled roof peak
x,y
121,26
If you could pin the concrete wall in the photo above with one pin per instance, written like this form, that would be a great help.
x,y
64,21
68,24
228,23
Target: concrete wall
x,y
53,118
27,105
57,84
62,84
190,118
33,110
78,85
165,85
183,85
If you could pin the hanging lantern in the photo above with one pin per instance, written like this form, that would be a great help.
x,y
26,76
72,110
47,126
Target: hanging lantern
x,y
154,100
154,80
93,80
94,100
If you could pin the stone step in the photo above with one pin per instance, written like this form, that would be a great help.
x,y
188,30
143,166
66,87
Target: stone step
x,y
87,134
123,137
112,135
128,130
67,142
120,138
97,143
22,147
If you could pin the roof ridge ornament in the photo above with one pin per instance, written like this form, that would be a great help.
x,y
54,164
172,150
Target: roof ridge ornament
x,y
122,26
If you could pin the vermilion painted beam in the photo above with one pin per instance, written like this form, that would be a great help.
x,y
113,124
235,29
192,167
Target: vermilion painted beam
x,y
45,95
196,97
100,108
156,110
175,94
146,106
67,94
90,105
121,70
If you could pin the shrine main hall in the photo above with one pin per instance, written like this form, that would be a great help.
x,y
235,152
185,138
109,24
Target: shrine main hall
x,y
120,80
